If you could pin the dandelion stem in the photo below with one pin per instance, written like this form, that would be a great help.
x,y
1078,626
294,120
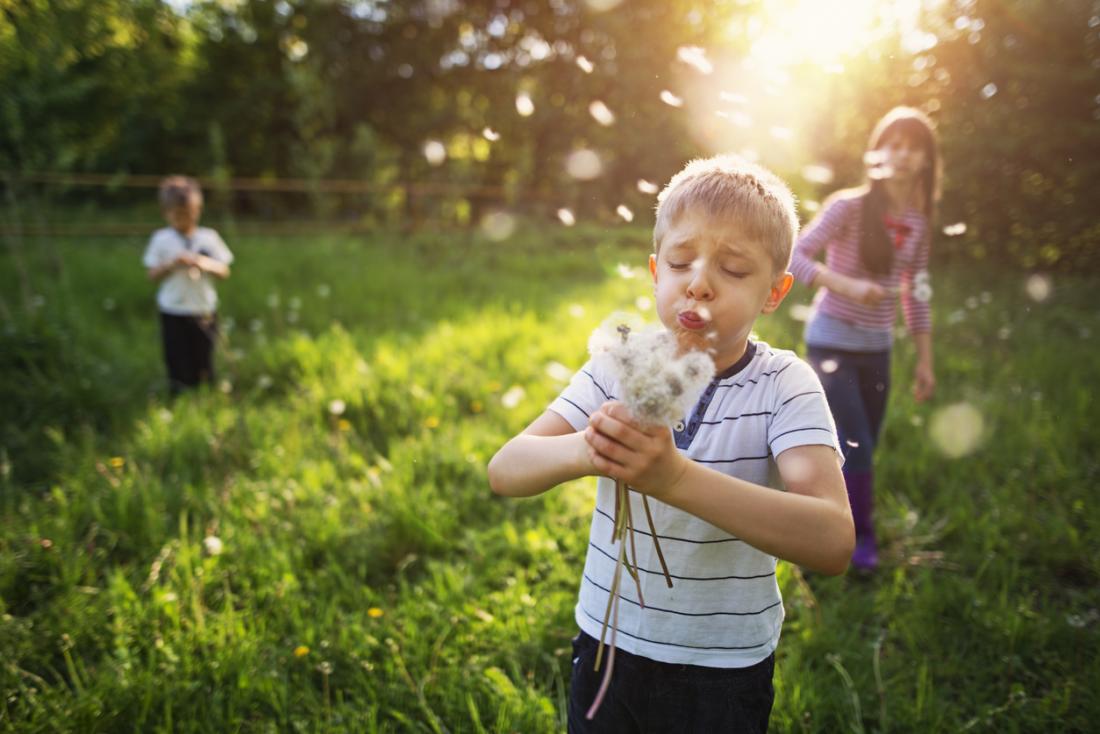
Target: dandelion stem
x,y
656,542
606,682
632,566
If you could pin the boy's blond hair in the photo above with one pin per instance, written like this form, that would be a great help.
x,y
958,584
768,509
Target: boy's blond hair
x,y
732,190
178,191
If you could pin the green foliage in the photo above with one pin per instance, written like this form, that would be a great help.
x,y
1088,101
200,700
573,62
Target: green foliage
x,y
317,90
367,580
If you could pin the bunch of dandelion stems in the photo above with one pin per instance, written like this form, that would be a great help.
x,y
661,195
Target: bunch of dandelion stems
x,y
622,527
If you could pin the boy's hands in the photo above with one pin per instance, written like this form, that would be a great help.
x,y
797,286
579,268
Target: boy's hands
x,y
186,260
644,457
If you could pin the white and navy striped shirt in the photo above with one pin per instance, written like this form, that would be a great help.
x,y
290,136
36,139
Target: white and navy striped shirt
x,y
724,609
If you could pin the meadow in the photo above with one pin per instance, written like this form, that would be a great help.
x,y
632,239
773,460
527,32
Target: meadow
x,y
312,545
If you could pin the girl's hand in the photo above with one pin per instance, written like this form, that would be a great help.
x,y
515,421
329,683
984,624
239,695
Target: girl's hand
x,y
866,292
924,382
645,457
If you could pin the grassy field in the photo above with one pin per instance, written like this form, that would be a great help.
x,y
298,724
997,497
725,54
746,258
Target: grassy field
x,y
363,577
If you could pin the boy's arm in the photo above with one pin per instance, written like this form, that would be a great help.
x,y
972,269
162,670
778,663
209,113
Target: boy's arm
x,y
545,454
215,267
810,524
182,260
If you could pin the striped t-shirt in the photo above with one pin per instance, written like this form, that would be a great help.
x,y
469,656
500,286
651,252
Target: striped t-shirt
x,y
837,231
724,609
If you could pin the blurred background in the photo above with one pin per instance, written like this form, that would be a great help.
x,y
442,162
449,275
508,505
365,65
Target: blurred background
x,y
355,115
432,203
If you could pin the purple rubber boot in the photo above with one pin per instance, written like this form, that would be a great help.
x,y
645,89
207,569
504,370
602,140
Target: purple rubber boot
x,y
860,486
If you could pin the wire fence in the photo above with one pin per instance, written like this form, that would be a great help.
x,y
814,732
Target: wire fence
x,y
61,204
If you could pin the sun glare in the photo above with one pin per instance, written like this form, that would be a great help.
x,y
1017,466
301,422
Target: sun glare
x,y
824,32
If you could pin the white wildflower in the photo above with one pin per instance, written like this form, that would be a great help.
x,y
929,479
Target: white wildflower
x,y
213,546
659,383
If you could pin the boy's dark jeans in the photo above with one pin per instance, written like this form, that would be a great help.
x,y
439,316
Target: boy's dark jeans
x,y
649,696
188,349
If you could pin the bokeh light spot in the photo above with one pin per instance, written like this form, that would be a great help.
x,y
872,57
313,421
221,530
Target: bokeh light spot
x,y
957,430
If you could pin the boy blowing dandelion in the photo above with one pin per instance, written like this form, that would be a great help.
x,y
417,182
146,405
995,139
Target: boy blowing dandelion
x,y
697,655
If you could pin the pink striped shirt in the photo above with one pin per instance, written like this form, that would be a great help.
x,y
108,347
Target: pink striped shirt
x,y
836,230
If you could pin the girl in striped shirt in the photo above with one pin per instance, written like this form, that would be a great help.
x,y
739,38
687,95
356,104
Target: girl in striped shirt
x,y
876,240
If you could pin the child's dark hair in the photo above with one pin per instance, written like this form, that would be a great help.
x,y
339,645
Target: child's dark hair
x,y
875,248
178,191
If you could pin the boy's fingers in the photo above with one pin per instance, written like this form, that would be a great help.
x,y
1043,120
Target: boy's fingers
x,y
605,445
616,426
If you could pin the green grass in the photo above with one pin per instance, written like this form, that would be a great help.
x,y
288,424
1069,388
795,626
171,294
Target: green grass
x,y
115,618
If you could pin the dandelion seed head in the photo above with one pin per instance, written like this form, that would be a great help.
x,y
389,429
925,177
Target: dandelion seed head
x,y
212,545
659,381
337,406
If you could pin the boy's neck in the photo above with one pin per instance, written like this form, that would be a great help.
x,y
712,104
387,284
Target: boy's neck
x,y
187,232
723,364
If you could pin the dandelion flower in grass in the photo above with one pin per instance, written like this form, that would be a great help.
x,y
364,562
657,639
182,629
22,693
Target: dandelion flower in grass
x,y
432,421
301,651
374,612
116,462
212,545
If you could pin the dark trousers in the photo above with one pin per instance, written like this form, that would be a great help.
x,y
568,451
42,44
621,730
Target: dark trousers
x,y
649,696
857,385
188,349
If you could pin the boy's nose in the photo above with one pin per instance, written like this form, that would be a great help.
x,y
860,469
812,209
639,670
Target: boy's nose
x,y
699,287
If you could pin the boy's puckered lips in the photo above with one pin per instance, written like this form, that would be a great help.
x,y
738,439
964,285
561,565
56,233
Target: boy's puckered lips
x,y
691,320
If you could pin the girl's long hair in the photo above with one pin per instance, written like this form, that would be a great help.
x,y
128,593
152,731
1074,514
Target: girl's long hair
x,y
875,247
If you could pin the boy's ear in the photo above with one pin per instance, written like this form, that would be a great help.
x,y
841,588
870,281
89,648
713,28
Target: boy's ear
x,y
780,288
653,267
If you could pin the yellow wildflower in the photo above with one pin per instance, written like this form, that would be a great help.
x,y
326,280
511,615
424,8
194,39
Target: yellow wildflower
x,y
432,421
374,612
344,424
116,462
301,651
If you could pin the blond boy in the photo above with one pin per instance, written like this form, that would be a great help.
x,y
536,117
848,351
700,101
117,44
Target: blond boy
x,y
186,259
754,474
